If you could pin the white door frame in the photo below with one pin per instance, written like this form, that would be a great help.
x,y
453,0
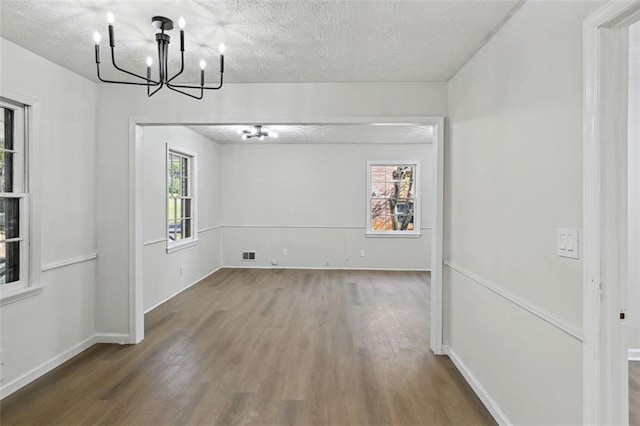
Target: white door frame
x,y
136,308
605,393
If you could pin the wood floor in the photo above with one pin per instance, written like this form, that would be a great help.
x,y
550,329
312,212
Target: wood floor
x,y
266,347
634,393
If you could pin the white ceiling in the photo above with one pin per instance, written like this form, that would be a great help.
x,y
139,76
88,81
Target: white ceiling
x,y
324,134
267,41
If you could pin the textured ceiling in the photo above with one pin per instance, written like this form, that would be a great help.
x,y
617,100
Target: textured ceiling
x,y
324,134
267,41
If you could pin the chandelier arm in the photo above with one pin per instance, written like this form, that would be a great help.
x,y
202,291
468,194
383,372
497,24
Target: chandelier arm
x,y
172,87
155,91
113,61
186,86
132,83
181,67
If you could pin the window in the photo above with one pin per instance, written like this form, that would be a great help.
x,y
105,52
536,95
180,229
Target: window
x,y
14,199
181,190
392,202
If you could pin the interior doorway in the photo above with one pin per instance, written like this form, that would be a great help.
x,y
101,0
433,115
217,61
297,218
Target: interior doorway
x,y
143,243
610,213
633,292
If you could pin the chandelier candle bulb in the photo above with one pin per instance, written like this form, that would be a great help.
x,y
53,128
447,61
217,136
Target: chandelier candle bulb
x,y
111,38
96,40
181,24
110,20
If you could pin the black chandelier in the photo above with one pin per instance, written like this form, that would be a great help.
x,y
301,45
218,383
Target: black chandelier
x,y
163,24
257,132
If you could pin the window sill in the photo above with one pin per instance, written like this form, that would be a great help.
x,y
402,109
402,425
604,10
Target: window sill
x,y
181,246
10,296
393,235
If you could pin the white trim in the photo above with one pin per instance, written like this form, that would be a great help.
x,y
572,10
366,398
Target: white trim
x,y
152,242
19,293
31,185
437,240
544,315
39,371
18,383
212,228
323,268
136,309
115,338
182,289
295,226
192,192
200,231
304,227
67,262
181,245
484,396
605,395
417,199
393,234
136,218
634,355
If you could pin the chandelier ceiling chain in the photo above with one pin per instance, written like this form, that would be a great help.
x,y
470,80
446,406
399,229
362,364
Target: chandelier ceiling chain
x,y
257,132
162,39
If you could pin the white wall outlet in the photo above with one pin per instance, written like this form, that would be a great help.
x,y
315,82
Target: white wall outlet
x,y
569,243
285,252
274,262
361,252
181,270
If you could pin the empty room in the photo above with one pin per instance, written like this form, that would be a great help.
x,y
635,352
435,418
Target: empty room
x,y
319,212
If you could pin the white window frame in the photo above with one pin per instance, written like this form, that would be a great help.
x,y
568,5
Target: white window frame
x,y
25,169
415,232
173,246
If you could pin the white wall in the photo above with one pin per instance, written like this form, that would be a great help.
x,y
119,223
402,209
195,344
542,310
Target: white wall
x,y
634,187
311,200
238,103
513,176
61,317
162,278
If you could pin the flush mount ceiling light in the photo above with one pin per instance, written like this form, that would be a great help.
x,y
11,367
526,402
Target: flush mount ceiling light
x,y
163,24
257,132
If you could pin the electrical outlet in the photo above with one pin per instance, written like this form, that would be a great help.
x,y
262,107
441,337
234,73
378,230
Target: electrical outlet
x,y
274,262
361,252
285,252
181,270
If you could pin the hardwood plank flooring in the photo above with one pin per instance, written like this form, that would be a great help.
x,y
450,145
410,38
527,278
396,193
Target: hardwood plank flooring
x,y
289,347
634,393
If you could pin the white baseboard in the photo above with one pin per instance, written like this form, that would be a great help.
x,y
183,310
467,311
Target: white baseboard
x,y
321,268
117,338
634,354
12,386
477,387
181,290
16,384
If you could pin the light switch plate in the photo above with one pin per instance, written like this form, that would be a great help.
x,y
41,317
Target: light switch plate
x,y
569,243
